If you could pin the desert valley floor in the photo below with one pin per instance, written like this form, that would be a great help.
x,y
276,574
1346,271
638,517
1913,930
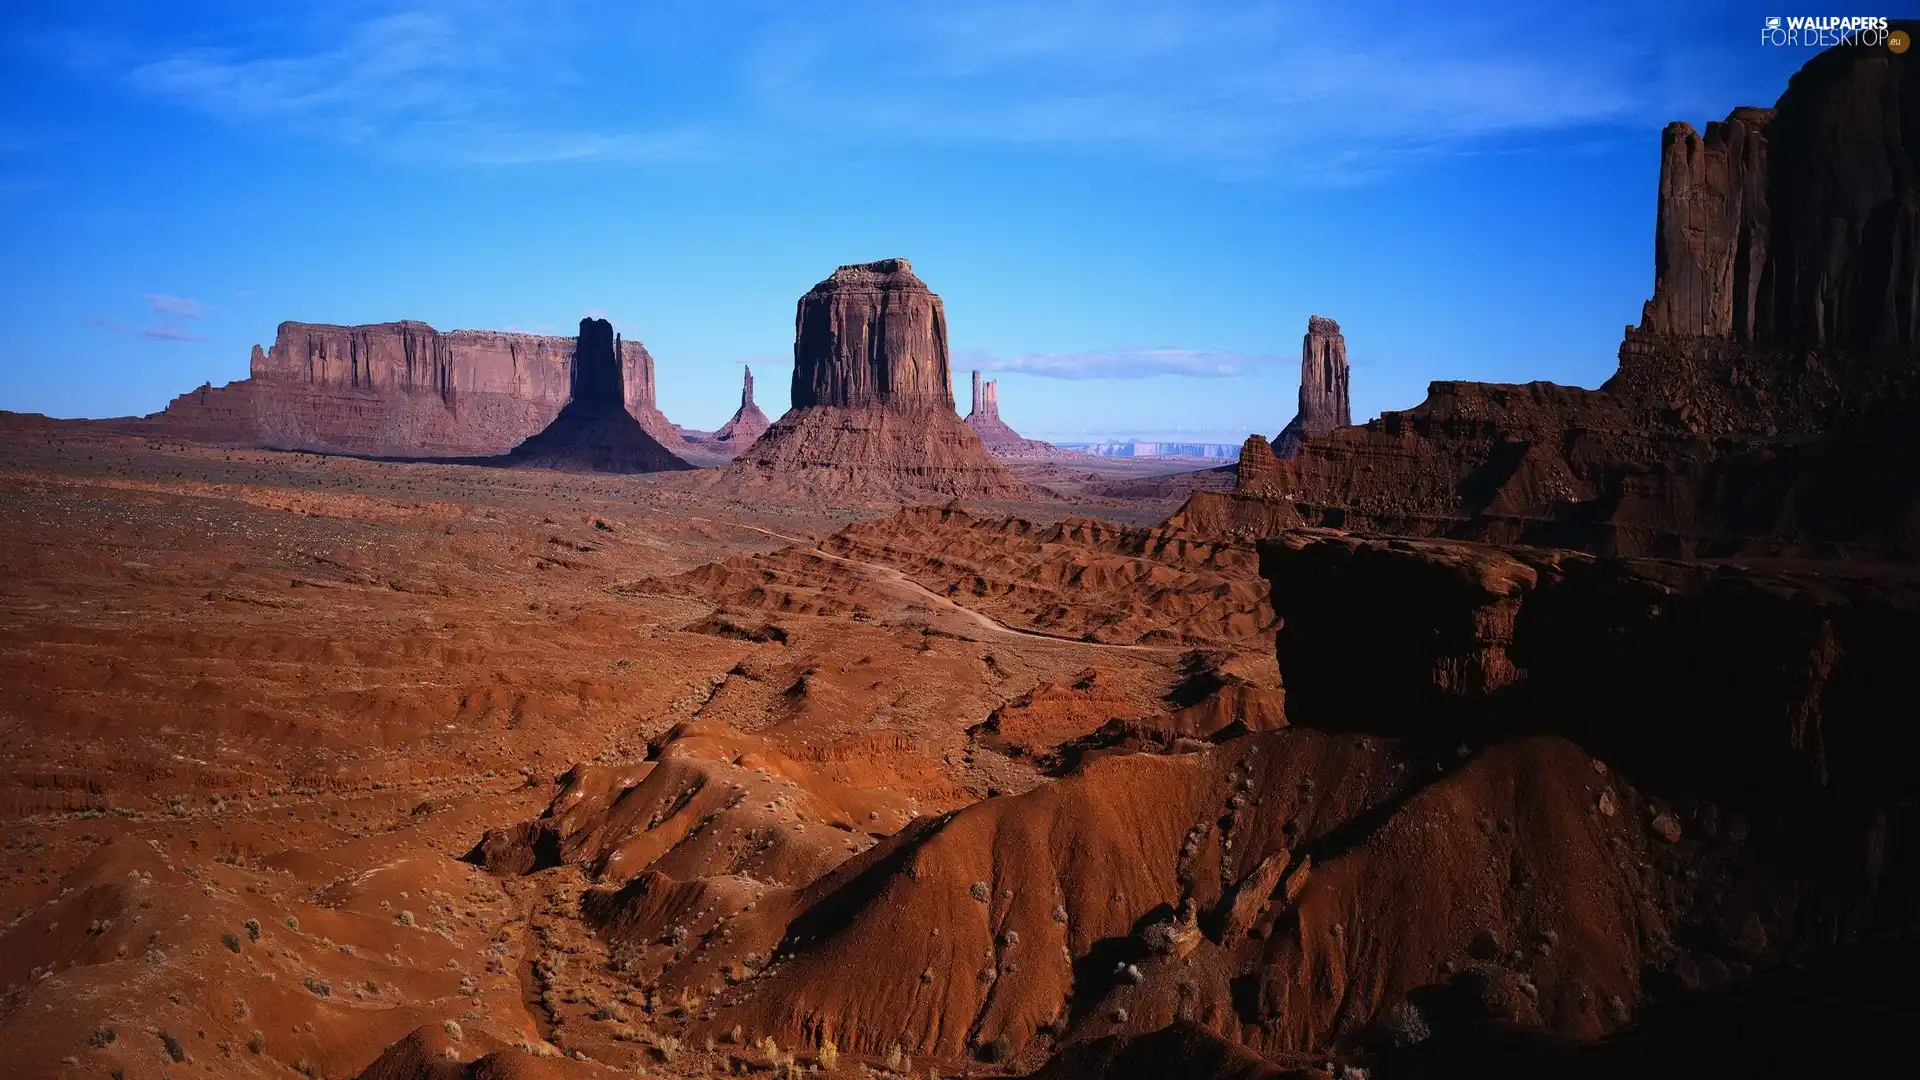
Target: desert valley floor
x,y
256,707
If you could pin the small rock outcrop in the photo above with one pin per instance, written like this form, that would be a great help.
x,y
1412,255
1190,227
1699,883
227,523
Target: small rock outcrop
x,y
1000,438
872,412
594,432
1323,387
401,389
748,422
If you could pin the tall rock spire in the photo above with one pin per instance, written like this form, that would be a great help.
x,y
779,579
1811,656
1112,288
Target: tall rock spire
x,y
1323,387
748,423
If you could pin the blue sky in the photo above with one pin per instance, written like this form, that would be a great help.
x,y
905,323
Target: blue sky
x,y
1130,208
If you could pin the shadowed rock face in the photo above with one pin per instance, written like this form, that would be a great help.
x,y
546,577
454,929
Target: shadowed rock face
x,y
871,334
594,432
1797,225
1323,387
1765,405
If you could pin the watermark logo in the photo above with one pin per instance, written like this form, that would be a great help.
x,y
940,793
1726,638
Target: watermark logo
x,y
1898,41
1827,31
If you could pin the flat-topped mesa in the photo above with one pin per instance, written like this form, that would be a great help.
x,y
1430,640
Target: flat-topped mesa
x,y
748,422
594,432
402,389
872,415
872,334
1323,387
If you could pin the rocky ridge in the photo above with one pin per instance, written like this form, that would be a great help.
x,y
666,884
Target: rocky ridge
x,y
1759,407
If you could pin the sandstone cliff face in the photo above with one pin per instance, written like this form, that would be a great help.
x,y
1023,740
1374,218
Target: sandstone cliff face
x,y
998,436
1760,406
872,414
594,431
1797,225
1323,387
402,389
872,334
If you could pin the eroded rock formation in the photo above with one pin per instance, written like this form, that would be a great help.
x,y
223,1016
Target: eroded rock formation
x,y
594,431
999,437
400,389
1323,387
748,422
872,408
1766,403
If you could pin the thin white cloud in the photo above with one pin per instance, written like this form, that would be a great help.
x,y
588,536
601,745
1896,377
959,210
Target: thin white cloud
x,y
452,85
179,307
1324,94
154,332
1122,364
1321,93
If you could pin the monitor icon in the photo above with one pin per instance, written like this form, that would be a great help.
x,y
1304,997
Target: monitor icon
x,y
1773,22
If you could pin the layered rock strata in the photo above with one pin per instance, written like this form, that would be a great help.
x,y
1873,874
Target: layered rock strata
x,y
400,389
594,431
1765,404
1323,387
872,408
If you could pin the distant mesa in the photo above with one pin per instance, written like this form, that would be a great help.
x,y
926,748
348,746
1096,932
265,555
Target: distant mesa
x,y
1000,439
872,412
1765,405
594,432
1143,448
400,389
1323,387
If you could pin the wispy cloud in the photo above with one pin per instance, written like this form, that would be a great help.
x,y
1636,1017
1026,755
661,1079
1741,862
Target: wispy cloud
x,y
1337,96
153,332
1122,364
454,84
1328,94
179,307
